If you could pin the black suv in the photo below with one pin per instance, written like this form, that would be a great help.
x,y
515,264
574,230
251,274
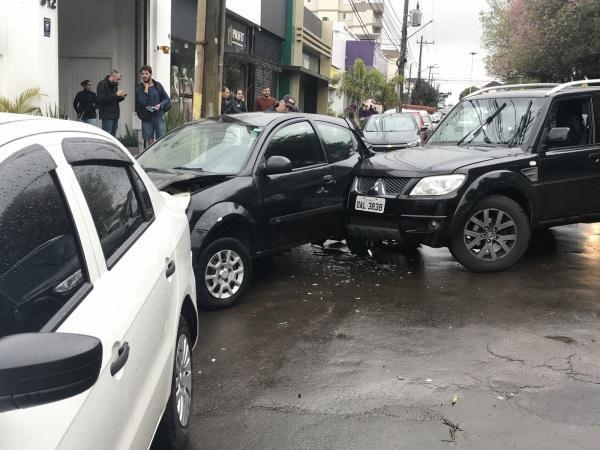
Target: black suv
x,y
255,184
503,162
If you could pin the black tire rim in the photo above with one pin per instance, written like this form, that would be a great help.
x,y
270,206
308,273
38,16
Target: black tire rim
x,y
490,234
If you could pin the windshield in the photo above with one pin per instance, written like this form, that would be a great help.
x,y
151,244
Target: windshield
x,y
511,126
221,148
391,123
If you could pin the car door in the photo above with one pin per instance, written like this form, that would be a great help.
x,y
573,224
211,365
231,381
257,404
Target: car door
x,y
135,256
342,152
49,282
567,169
594,158
292,202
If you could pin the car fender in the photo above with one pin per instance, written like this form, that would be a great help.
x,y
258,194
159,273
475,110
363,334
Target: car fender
x,y
215,217
498,181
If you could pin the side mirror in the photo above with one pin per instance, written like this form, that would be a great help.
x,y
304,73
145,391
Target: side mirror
x,y
40,368
558,135
277,164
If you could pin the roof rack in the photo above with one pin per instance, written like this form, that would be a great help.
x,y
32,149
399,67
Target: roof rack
x,y
560,87
508,87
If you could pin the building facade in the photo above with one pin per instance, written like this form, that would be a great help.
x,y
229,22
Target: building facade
x,y
362,17
369,53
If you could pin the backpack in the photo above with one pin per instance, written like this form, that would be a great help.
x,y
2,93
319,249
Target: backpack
x,y
141,112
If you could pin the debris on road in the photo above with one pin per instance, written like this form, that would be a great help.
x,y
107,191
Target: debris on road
x,y
452,428
454,399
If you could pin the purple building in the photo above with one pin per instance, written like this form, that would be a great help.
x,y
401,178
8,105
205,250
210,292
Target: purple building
x,y
366,51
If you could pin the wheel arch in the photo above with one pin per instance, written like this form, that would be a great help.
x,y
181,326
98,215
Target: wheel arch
x,y
189,313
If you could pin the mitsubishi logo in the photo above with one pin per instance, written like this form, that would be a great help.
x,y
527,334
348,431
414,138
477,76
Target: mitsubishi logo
x,y
378,188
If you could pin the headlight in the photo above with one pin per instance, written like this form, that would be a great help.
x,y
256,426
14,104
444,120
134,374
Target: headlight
x,y
414,144
439,185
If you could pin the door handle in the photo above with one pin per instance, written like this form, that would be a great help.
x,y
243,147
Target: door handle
x,y
328,179
122,357
170,268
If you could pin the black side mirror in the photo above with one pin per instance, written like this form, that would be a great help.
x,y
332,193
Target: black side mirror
x,y
277,164
40,368
558,135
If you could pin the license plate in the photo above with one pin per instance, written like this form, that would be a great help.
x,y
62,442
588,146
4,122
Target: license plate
x,y
370,204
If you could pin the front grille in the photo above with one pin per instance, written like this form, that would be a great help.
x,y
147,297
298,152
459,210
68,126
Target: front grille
x,y
392,186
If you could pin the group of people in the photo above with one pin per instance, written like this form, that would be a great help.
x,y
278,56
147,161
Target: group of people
x,y
364,111
263,103
151,104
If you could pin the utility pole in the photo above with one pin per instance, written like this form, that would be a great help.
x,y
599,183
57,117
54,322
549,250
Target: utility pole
x,y
199,70
472,60
409,81
401,63
420,58
213,56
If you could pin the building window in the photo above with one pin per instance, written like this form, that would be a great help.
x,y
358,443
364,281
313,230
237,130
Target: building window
x,y
311,62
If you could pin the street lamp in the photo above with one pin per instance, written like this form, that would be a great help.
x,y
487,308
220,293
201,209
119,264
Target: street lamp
x,y
472,60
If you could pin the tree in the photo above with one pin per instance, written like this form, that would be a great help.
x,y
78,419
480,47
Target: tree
x,y
23,103
424,94
361,83
541,40
467,91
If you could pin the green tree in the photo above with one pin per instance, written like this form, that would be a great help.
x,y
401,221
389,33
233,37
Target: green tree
x,y
541,40
23,103
361,83
467,91
424,94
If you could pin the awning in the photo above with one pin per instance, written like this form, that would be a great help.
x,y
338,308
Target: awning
x,y
307,72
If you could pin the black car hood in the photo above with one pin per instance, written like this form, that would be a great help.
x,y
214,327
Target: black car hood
x,y
390,137
184,180
423,161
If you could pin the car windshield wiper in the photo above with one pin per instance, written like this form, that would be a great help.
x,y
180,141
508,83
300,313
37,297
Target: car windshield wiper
x,y
195,169
475,132
523,124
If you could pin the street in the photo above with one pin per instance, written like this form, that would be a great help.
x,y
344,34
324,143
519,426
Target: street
x,y
331,351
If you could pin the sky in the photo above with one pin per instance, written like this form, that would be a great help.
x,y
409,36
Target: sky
x,y
455,31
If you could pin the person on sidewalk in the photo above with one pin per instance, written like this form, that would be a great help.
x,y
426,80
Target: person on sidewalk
x,y
285,105
238,105
109,96
265,101
85,103
225,100
151,104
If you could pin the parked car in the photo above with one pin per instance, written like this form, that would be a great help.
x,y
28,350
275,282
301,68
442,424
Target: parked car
x,y
97,294
531,159
255,184
387,132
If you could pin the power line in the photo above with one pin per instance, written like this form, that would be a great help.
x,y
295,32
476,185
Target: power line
x,y
364,28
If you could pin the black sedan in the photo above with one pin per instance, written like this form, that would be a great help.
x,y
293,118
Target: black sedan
x,y
255,184
387,132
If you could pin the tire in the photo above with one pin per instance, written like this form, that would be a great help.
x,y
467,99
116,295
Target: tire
x,y
173,429
214,291
357,246
499,245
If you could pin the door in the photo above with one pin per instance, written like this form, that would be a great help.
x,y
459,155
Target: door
x,y
567,169
292,202
135,258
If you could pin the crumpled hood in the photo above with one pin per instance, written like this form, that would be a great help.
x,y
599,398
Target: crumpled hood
x,y
428,160
390,137
175,180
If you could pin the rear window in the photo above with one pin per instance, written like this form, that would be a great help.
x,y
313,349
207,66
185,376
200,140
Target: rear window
x,y
391,123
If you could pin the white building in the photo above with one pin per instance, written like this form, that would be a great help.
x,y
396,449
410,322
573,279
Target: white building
x,y
341,34
56,44
365,22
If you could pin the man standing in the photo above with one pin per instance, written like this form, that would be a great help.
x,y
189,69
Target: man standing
x,y
85,103
238,105
265,101
109,96
151,103
285,105
225,100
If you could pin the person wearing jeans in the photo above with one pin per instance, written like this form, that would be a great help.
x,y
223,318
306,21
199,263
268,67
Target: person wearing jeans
x,y
109,96
151,103
85,103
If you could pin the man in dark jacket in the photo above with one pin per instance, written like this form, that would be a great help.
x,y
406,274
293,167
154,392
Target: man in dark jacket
x,y
151,103
85,103
225,100
238,105
109,96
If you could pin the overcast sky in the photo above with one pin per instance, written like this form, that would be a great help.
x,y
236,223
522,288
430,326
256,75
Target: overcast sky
x,y
456,31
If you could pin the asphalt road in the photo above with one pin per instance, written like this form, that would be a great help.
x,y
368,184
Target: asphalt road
x,y
331,351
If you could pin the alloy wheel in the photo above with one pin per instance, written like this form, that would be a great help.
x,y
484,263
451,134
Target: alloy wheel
x,y
183,380
490,234
224,274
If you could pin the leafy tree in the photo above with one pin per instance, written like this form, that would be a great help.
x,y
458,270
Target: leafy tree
x,y
467,91
361,83
541,40
424,94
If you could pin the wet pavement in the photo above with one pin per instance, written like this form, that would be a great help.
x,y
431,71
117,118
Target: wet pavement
x,y
331,351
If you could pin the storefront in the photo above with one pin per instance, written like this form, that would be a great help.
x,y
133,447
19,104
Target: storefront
x,y
183,58
236,60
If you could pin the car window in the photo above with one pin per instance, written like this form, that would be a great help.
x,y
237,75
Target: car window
x,y
144,195
298,143
337,141
389,122
41,266
575,114
113,203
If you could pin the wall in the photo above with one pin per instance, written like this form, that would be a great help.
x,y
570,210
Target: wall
x,y
248,9
28,58
359,49
273,17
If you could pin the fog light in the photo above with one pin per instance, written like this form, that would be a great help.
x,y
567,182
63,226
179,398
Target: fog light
x,y
434,225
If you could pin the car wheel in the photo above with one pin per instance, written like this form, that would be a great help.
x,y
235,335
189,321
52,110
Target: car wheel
x,y
172,432
494,236
357,246
223,273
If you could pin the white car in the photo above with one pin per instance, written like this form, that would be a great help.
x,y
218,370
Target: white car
x,y
97,296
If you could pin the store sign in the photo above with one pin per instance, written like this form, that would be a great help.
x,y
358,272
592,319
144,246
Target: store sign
x,y
236,37
48,3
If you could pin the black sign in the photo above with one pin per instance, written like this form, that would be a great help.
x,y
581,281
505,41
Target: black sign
x,y
46,27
